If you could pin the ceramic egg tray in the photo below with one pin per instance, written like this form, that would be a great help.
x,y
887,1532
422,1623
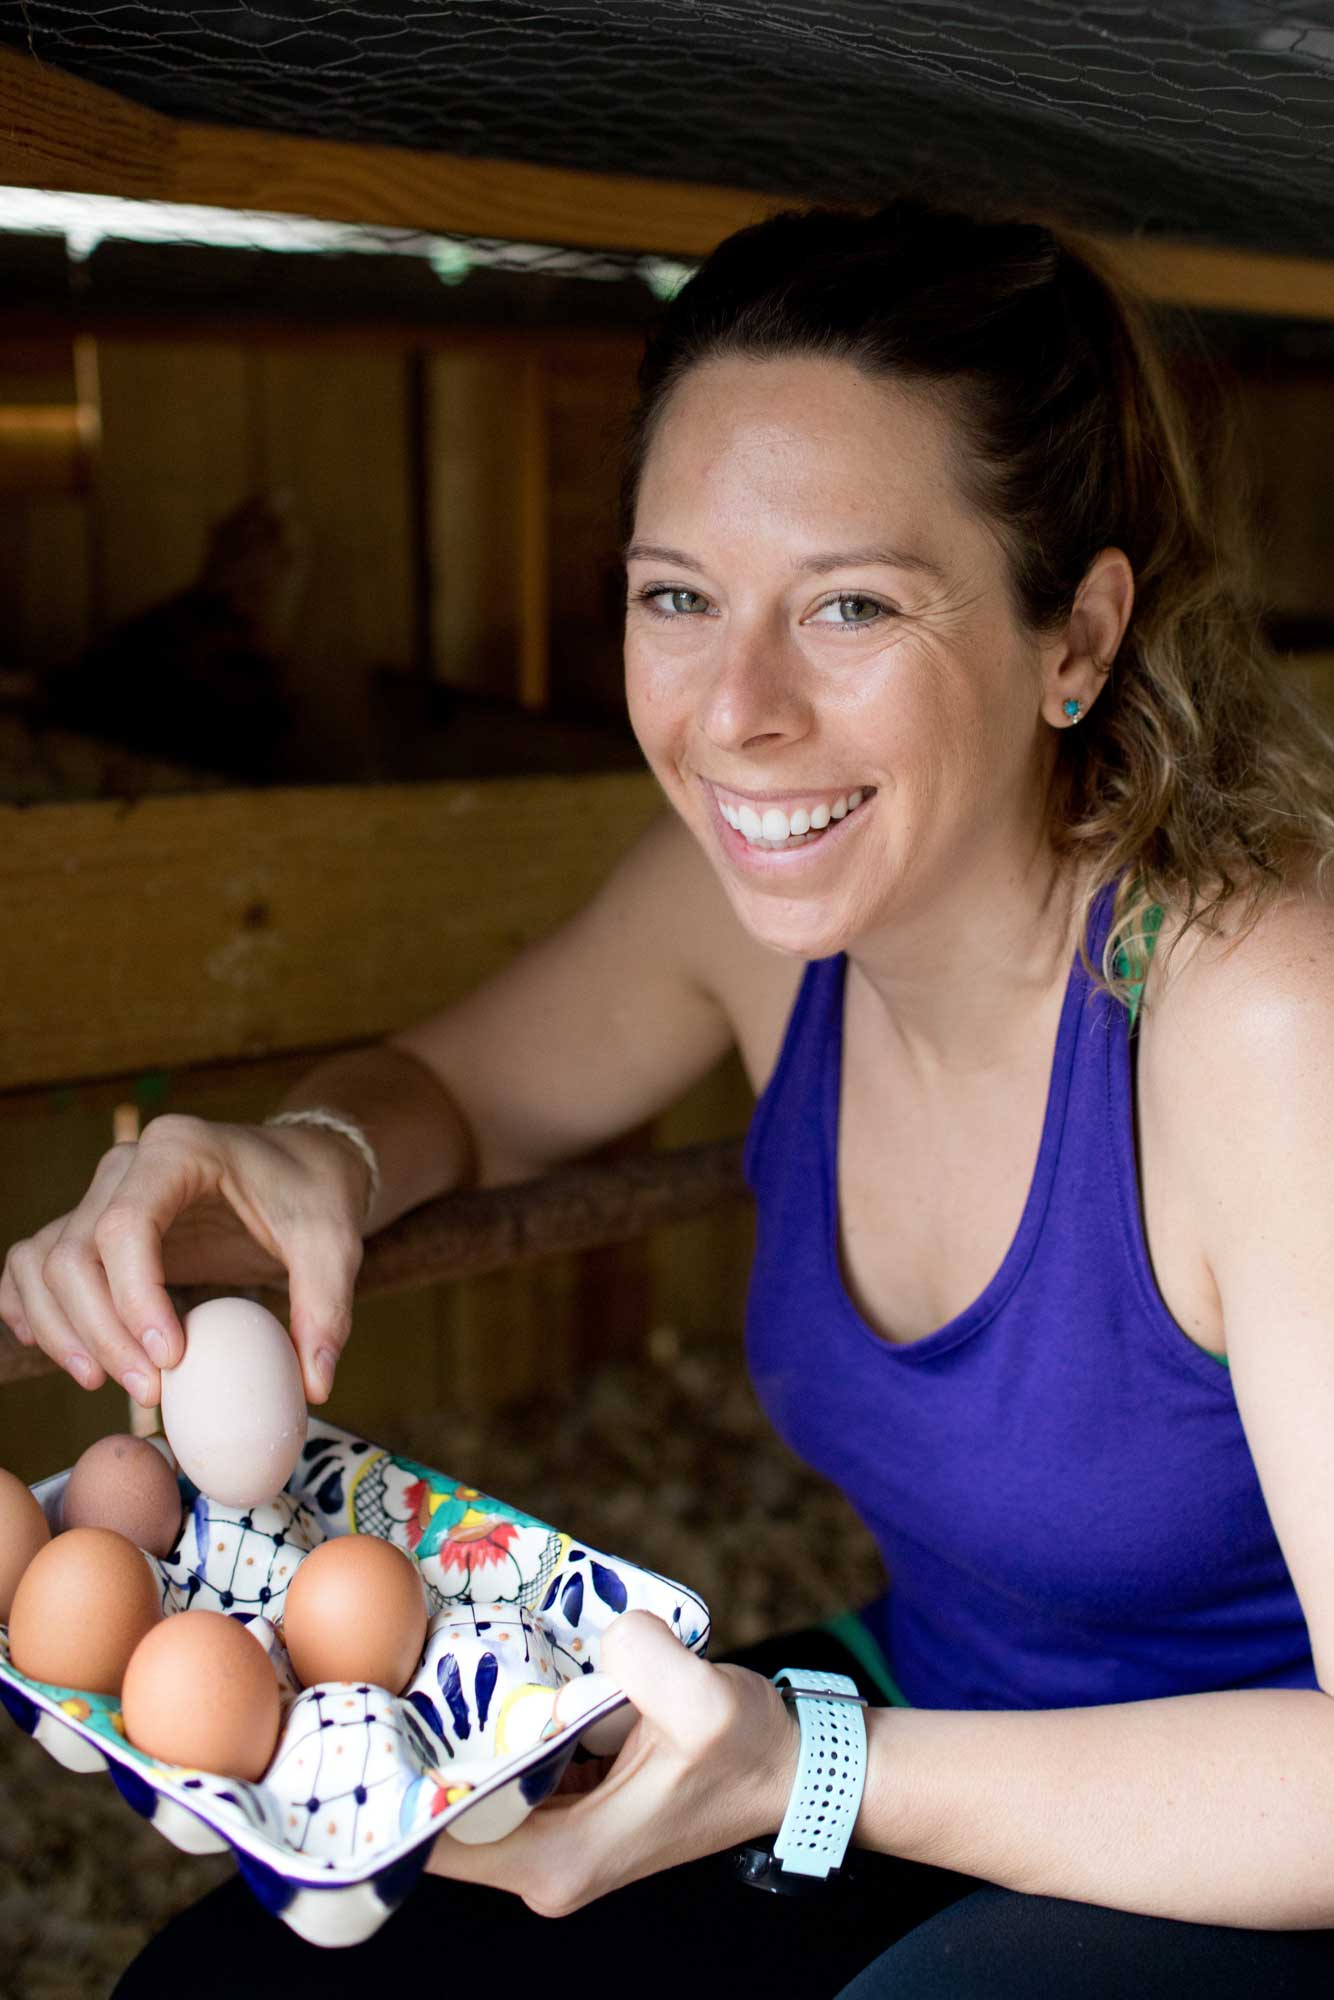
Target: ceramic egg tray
x,y
339,1828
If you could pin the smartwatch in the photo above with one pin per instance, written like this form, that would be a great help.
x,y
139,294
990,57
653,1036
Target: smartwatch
x,y
810,1845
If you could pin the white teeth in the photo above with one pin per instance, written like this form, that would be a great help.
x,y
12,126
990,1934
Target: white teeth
x,y
774,828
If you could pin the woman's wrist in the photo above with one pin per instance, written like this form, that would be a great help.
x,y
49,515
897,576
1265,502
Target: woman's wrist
x,y
410,1124
780,1767
323,1118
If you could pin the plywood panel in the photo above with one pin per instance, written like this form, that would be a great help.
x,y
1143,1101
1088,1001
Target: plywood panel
x,y
189,930
176,455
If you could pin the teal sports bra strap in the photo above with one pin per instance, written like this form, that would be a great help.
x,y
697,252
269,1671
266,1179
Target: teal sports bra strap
x,y
1153,918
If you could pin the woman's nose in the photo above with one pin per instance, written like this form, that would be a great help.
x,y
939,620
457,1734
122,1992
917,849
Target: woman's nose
x,y
753,694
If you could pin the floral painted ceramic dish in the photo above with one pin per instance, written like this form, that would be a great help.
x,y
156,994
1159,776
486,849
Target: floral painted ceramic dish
x,y
362,1781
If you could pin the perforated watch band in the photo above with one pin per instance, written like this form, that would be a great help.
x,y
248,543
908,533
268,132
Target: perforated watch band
x,y
831,1771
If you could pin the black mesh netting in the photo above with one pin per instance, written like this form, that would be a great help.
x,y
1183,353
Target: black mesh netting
x,y
1212,120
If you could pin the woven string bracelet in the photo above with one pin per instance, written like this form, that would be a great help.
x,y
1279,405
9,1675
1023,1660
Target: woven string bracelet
x,y
325,1120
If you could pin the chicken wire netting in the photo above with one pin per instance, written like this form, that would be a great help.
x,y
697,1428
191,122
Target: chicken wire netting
x,y
1210,120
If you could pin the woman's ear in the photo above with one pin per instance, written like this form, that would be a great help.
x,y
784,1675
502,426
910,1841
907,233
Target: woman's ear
x,y
1077,663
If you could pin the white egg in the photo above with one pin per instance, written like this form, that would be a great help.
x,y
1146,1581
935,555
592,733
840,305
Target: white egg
x,y
234,1408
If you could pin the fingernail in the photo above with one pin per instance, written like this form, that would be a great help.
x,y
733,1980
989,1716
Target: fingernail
x,y
155,1347
137,1385
81,1368
325,1363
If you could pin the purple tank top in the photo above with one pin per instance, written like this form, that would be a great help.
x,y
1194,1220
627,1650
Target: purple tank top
x,y
1057,1478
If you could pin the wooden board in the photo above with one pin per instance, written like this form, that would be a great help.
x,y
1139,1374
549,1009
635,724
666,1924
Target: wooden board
x,y
185,930
332,431
588,407
534,504
57,132
1289,427
474,549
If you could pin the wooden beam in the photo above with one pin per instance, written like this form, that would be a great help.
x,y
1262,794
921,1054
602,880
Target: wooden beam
x,y
1208,279
44,449
59,132
582,1207
189,930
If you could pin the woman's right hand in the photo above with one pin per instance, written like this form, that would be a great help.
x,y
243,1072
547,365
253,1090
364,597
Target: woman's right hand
x,y
192,1203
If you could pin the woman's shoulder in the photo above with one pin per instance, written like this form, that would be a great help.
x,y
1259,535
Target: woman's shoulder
x,y
1240,1006
1246,967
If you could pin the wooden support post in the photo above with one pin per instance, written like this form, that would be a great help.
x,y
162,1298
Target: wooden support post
x,y
125,1132
534,536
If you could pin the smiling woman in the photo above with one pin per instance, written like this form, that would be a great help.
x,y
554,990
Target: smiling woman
x,y
773,683
944,663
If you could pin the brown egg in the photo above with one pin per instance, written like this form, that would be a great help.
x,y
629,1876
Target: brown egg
x,y
125,1483
82,1606
355,1611
201,1690
23,1531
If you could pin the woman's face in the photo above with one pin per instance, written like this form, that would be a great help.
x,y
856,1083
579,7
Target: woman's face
x,y
823,666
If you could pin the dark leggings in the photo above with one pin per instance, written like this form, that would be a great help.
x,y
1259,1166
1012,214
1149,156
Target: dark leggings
x,y
696,1933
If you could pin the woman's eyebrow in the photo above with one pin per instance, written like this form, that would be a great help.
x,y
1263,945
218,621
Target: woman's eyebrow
x,y
816,565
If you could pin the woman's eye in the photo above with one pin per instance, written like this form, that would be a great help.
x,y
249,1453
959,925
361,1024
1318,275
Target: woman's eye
x,y
851,609
670,602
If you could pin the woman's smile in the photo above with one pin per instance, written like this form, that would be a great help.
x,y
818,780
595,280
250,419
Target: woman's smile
x,y
761,829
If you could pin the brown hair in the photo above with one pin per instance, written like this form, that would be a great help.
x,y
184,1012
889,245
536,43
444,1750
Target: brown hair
x,y
1198,779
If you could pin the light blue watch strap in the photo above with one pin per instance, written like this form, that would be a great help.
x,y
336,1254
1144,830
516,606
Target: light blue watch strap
x,y
831,1771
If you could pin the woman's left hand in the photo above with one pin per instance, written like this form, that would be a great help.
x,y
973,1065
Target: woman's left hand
x,y
708,1764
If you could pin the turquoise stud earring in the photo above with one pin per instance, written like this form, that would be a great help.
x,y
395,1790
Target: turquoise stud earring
x,y
1073,709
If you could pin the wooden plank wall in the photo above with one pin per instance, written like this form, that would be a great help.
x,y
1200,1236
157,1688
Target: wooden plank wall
x,y
480,441
288,919
516,515
190,428
473,543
